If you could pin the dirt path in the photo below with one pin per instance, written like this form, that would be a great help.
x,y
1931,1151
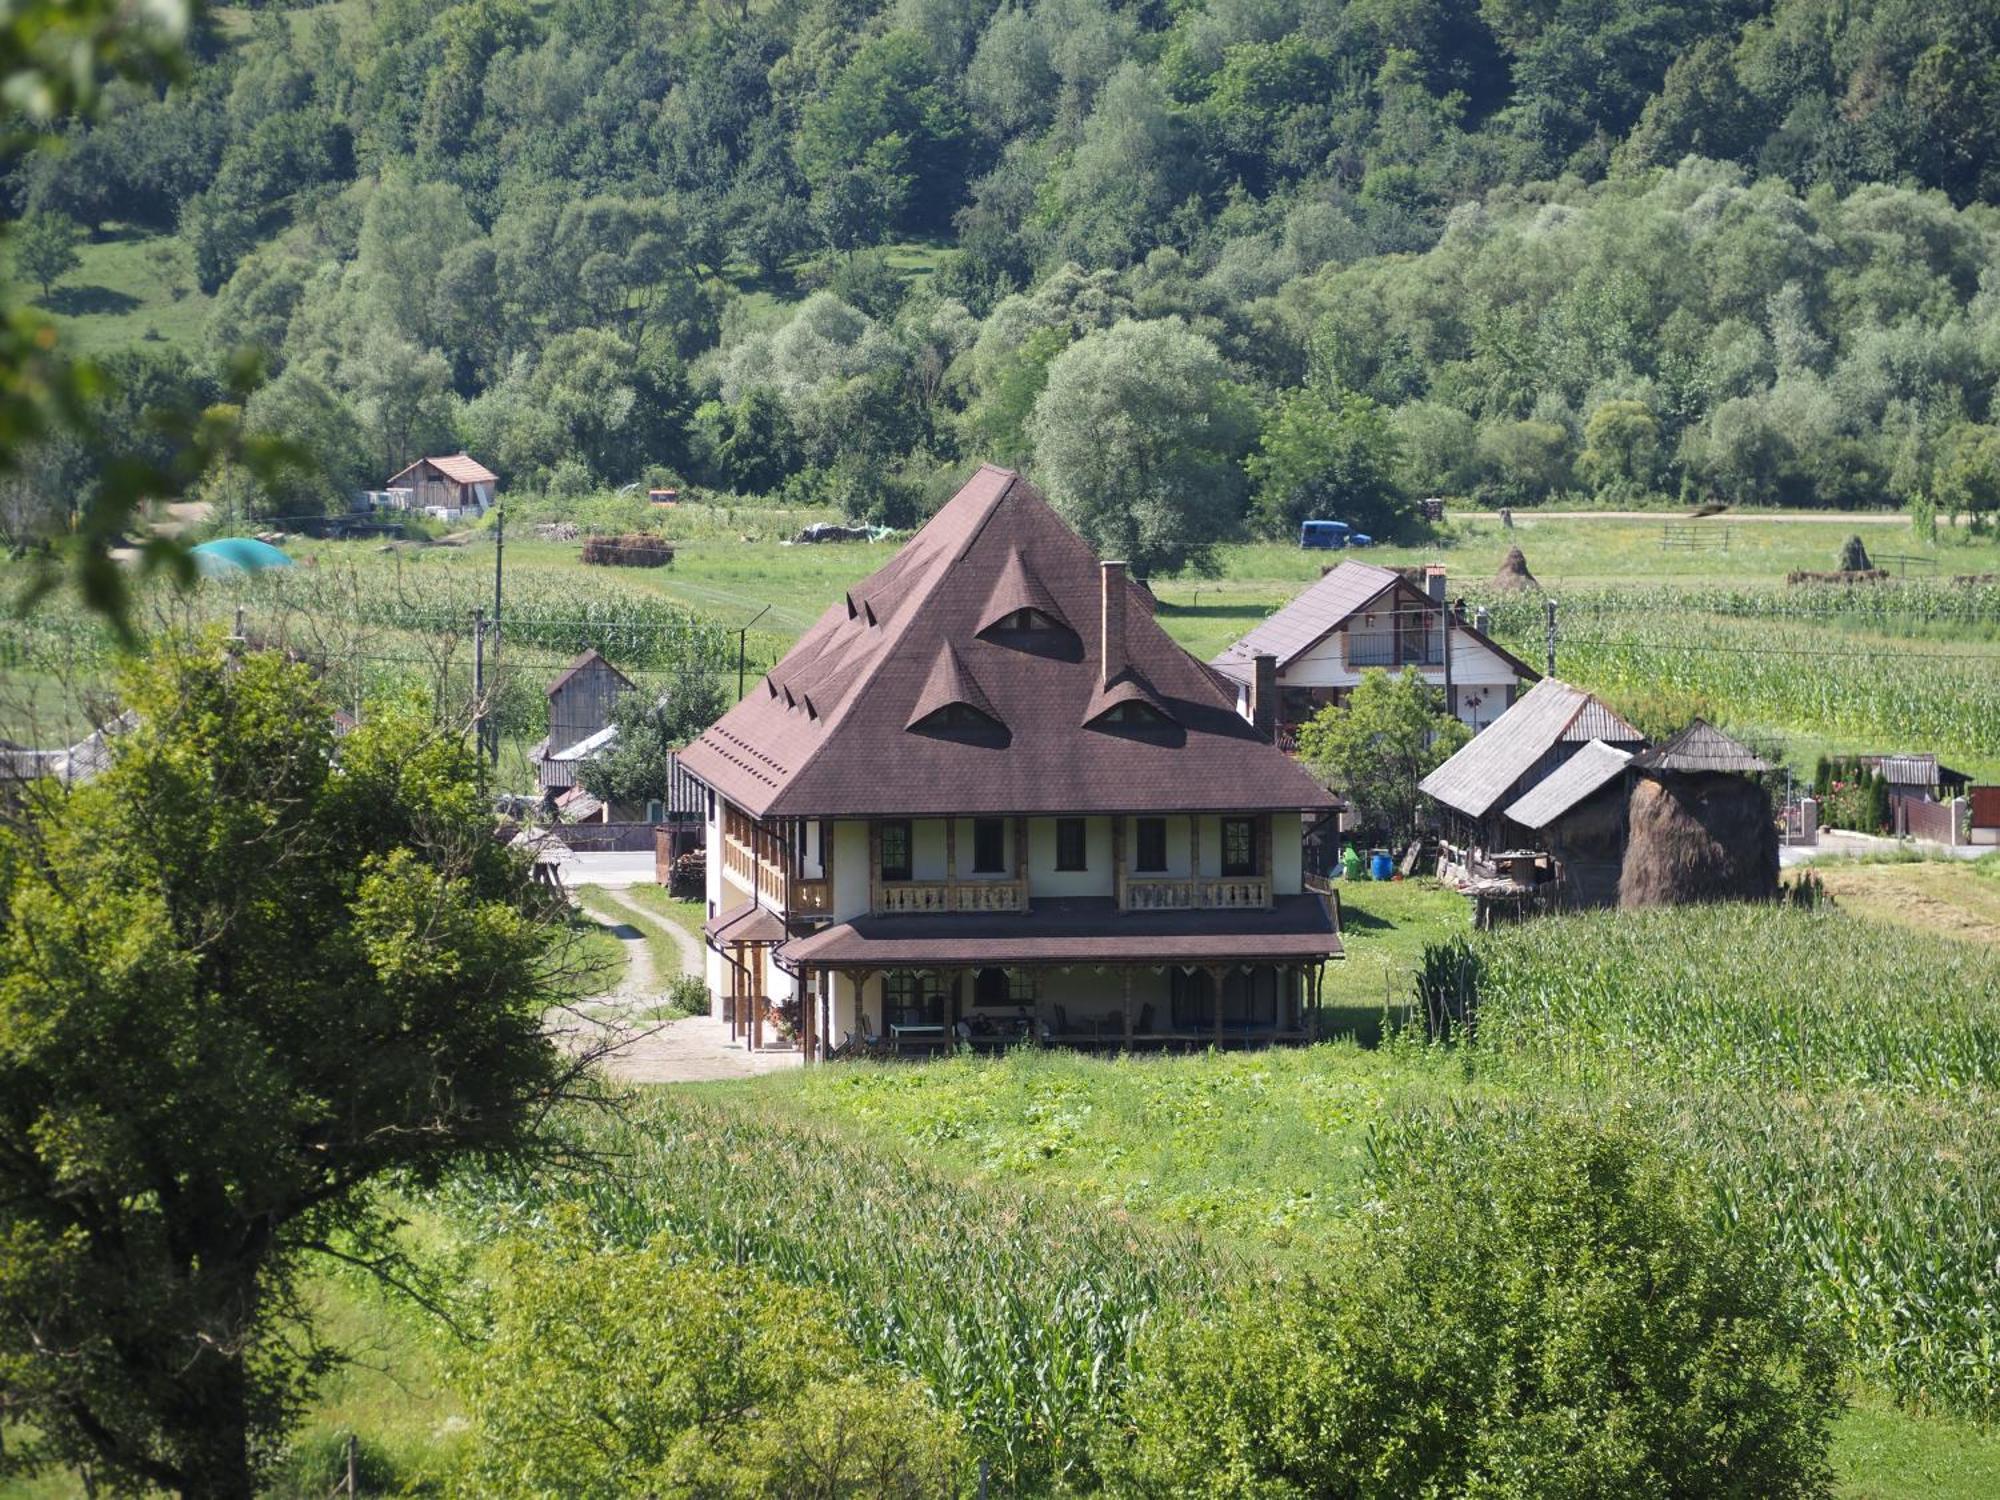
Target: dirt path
x,y
1829,518
695,1049
693,960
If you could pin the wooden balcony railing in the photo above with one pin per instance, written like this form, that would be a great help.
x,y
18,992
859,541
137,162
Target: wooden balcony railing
x,y
1210,893
906,896
812,897
742,865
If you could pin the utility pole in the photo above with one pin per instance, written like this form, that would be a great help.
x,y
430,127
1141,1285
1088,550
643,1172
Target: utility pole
x,y
1549,619
479,682
499,546
742,635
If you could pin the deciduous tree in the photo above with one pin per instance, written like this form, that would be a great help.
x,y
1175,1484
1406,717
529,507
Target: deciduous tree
x,y
245,973
1391,733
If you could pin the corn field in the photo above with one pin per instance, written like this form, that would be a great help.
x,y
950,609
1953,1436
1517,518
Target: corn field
x,y
1839,1077
1018,1313
1913,665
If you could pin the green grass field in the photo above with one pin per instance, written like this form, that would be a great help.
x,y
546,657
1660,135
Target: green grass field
x,y
131,290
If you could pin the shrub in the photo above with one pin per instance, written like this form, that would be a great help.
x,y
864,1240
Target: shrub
x,y
616,1371
1537,1306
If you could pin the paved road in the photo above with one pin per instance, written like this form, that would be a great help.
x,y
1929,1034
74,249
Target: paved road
x,y
1838,844
613,870
1825,518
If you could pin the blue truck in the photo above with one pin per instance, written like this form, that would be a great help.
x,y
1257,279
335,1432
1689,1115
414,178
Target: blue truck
x,y
1332,535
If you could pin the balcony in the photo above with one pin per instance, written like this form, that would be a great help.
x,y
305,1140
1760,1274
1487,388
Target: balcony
x,y
902,897
1389,651
741,864
1210,893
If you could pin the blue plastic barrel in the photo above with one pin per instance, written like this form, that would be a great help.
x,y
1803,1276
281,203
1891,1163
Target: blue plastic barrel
x,y
1380,866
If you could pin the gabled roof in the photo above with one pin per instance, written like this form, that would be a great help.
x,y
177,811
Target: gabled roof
x,y
949,683
1129,686
866,664
1570,783
1701,747
459,468
591,658
1016,589
1487,768
1340,594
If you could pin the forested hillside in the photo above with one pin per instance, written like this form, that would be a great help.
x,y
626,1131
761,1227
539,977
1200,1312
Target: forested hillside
x,y
1201,266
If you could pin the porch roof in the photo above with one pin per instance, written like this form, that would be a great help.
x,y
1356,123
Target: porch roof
x,y
1071,931
748,923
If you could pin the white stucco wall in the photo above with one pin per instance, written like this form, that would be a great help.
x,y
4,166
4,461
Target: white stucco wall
x,y
850,868
1287,854
1044,879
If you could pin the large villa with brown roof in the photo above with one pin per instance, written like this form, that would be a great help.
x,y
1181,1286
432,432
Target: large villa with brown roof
x,y
987,795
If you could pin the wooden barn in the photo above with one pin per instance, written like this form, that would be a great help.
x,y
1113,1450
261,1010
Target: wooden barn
x,y
454,485
580,703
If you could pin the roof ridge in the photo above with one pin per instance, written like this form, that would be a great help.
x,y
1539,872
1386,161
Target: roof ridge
x,y
901,618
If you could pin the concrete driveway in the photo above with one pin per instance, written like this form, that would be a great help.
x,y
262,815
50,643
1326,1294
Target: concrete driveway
x,y
609,868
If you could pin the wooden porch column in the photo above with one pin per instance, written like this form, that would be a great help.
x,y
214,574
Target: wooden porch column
x,y
1216,972
1194,857
951,852
825,1009
757,997
1267,863
1315,974
1127,972
1021,858
1118,862
735,988
874,864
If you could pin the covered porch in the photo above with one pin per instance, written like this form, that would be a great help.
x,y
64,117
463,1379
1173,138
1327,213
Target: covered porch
x,y
1073,976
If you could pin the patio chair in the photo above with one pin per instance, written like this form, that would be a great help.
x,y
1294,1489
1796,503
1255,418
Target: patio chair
x,y
1145,1026
962,1034
871,1039
1062,1021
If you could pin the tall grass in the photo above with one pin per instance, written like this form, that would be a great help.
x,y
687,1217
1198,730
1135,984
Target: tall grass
x,y
1019,1313
1841,1075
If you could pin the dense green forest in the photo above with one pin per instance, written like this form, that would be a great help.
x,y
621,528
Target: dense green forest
x,y
1202,267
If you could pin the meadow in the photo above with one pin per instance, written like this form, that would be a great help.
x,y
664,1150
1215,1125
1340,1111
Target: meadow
x,y
1006,1229
1911,665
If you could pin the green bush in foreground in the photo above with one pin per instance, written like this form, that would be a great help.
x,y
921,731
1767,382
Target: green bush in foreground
x,y
1535,1307
613,1372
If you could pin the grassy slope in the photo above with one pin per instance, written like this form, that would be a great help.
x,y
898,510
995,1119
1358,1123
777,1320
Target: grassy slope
x,y
1946,897
123,296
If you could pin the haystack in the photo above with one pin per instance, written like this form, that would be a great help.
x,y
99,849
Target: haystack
x,y
1514,574
1706,836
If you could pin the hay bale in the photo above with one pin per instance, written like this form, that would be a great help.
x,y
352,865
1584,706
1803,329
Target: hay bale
x,y
1854,556
1707,836
1806,575
633,550
1514,575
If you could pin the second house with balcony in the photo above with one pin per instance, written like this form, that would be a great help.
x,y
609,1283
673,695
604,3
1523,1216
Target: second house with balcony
x,y
986,796
1358,617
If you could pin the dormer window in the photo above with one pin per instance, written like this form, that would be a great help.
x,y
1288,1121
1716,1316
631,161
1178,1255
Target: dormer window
x,y
1133,715
961,718
1025,620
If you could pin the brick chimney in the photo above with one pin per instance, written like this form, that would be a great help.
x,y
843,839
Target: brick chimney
x,y
1264,695
1111,640
1434,582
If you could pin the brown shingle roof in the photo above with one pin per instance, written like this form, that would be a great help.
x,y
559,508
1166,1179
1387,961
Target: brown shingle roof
x,y
1490,766
949,682
748,923
1078,930
867,662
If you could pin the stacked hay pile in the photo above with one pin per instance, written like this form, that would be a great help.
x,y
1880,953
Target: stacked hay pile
x,y
1700,824
1514,575
634,550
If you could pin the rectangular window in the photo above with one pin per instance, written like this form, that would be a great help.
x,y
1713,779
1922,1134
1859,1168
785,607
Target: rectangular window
x,y
1152,852
896,850
1239,846
1070,844
912,999
989,846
